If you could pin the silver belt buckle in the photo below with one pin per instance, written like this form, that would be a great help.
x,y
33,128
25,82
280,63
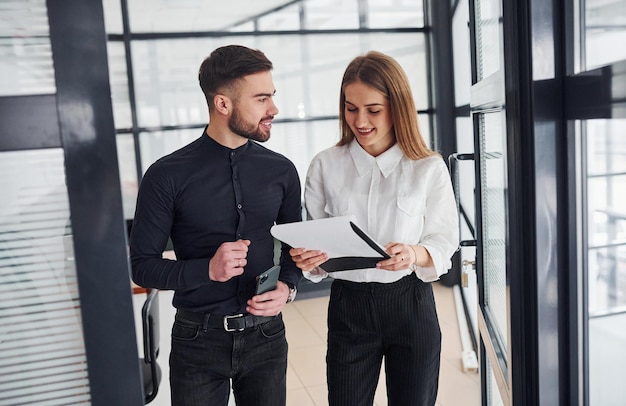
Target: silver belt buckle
x,y
226,318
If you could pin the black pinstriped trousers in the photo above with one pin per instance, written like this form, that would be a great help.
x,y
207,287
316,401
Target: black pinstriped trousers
x,y
371,321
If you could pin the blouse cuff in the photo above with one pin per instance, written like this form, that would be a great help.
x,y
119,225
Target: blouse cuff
x,y
315,275
432,273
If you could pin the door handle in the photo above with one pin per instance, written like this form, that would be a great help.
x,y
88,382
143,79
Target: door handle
x,y
453,160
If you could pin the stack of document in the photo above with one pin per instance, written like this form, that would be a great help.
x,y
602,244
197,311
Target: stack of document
x,y
348,247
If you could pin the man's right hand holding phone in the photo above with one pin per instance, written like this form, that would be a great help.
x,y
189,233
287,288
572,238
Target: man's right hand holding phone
x,y
269,303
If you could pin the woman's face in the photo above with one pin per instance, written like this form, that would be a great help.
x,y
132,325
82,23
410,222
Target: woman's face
x,y
368,116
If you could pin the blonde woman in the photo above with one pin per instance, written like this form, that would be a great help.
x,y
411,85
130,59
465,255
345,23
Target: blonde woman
x,y
399,191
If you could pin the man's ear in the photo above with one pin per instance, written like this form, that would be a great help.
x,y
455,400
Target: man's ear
x,y
222,104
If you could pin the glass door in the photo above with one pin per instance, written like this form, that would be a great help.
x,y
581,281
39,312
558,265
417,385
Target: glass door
x,y
489,114
493,298
597,79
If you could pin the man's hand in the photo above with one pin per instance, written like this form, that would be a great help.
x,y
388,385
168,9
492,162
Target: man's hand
x,y
229,260
269,303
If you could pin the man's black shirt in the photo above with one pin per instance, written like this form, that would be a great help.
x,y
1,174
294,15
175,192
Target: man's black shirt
x,y
201,196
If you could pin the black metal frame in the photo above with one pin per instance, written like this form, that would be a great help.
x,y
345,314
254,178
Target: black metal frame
x,y
522,276
441,95
32,134
520,371
85,118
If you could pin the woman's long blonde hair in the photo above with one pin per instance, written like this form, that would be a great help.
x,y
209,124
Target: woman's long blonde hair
x,y
384,74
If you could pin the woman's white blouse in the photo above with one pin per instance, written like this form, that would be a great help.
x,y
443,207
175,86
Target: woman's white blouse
x,y
394,199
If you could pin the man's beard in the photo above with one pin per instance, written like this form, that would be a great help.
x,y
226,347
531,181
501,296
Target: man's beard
x,y
246,130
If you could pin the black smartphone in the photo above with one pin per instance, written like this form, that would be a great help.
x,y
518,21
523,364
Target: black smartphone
x,y
267,280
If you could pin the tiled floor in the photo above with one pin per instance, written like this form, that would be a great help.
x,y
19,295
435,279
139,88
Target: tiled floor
x,y
305,322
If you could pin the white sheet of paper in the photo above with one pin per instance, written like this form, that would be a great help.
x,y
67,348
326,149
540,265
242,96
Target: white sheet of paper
x,y
332,235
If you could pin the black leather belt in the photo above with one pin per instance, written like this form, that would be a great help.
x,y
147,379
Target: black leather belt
x,y
236,322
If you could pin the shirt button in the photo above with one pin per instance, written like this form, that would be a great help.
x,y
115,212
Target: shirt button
x,y
239,206
232,153
239,235
234,177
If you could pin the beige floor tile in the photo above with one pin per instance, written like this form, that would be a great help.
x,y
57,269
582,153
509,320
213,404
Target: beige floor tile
x,y
313,307
380,396
451,347
301,334
299,397
290,312
457,387
446,307
319,325
293,382
309,363
319,394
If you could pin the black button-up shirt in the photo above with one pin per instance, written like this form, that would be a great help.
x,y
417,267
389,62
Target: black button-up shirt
x,y
201,196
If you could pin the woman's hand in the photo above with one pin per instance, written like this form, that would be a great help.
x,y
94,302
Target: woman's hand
x,y
403,256
307,260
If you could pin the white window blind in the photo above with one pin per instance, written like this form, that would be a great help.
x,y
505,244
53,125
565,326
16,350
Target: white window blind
x,y
42,353
25,51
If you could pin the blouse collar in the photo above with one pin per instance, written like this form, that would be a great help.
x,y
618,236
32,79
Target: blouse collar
x,y
364,162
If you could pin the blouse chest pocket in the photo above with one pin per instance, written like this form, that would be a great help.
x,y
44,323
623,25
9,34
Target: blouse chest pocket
x,y
337,206
410,217
411,205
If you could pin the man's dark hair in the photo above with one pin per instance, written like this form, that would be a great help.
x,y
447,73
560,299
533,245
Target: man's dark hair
x,y
226,65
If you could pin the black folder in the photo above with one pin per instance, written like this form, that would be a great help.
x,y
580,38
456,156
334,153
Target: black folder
x,y
352,263
327,235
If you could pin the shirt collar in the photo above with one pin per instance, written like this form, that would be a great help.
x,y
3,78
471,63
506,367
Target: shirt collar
x,y
211,143
364,162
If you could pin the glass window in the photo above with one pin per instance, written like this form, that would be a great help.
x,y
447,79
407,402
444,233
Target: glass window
x,y
112,16
166,80
118,78
606,213
307,73
128,173
494,210
302,140
604,32
488,22
607,359
285,19
331,14
493,395
462,57
395,13
307,69
154,145
25,52
605,179
148,16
